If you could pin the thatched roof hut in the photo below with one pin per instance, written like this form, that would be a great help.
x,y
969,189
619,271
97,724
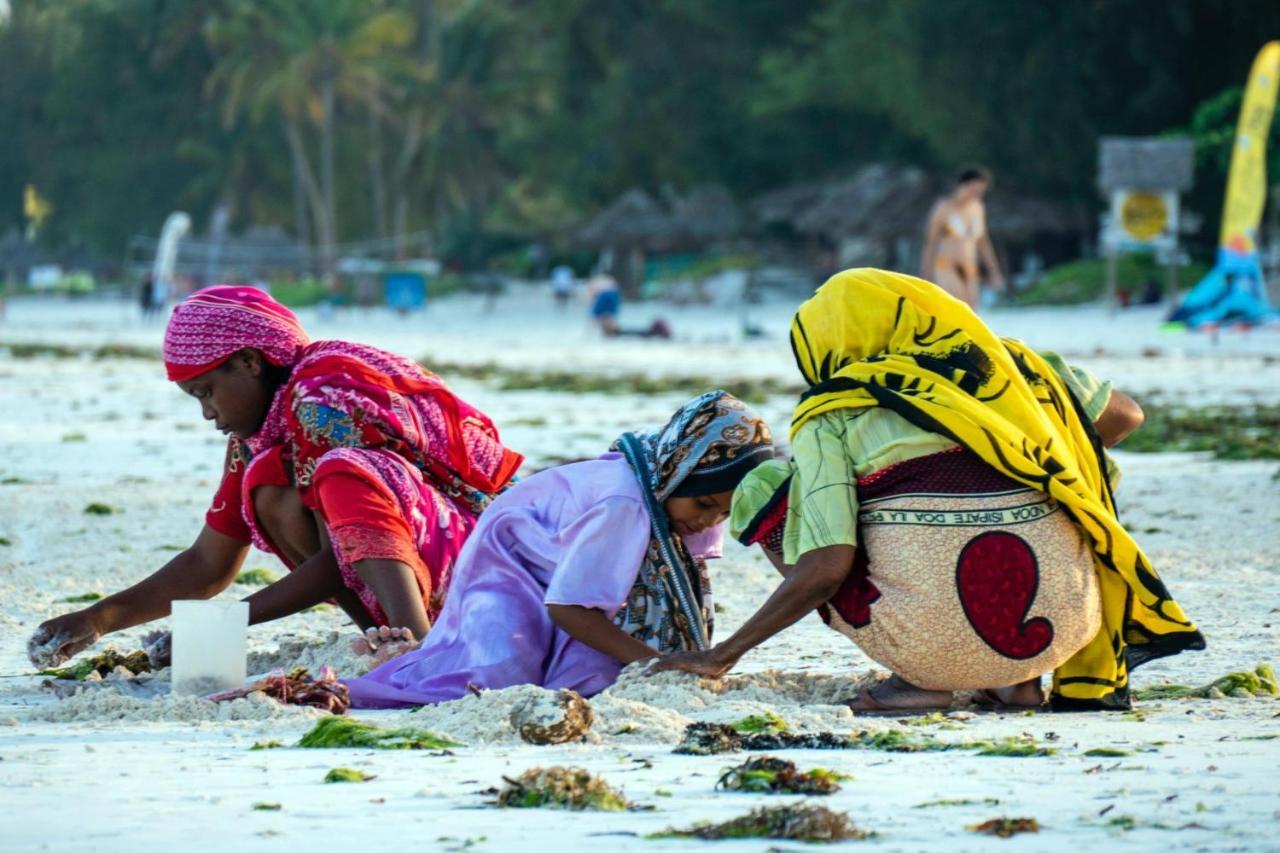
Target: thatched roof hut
x,y
638,221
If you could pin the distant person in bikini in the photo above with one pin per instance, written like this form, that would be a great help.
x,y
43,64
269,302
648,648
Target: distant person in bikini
x,y
956,239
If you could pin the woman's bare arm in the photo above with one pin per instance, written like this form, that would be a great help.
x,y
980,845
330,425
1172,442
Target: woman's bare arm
x,y
816,577
201,571
1121,416
591,627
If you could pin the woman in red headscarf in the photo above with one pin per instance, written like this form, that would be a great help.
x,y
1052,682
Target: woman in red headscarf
x,y
357,467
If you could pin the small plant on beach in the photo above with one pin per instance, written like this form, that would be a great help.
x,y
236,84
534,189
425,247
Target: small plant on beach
x,y
82,598
1242,685
100,509
256,577
346,774
1005,827
768,775
792,823
344,733
560,788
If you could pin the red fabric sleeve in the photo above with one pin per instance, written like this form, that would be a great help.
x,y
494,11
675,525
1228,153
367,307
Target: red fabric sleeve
x,y
224,513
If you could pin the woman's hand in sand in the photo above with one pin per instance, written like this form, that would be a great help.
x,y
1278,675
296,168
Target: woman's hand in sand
x,y
709,664
63,637
384,643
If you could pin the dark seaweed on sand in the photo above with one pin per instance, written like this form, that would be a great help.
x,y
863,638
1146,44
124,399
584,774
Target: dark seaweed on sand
x,y
794,823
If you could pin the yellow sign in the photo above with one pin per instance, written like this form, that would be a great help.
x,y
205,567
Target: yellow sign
x,y
1247,180
35,208
1143,216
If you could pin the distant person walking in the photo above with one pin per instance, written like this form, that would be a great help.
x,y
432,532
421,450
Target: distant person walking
x,y
956,239
562,282
606,301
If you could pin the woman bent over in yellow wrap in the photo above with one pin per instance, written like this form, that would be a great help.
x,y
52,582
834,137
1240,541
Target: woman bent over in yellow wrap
x,y
949,509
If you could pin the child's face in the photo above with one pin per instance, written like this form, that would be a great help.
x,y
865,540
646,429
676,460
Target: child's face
x,y
234,396
694,515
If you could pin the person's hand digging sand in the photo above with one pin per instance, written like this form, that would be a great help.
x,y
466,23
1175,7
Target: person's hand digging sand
x,y
384,643
59,639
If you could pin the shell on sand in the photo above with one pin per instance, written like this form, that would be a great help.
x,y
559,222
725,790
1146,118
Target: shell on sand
x,y
550,718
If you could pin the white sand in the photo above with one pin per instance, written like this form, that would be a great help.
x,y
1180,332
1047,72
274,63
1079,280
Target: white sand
x,y
136,775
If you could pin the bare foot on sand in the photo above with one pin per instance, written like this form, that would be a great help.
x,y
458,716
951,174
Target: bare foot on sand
x,y
384,643
896,695
1028,694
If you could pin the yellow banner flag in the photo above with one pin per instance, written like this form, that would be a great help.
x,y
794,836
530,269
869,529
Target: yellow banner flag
x,y
1247,180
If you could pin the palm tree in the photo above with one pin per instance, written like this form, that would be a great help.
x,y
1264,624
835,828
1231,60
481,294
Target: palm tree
x,y
297,62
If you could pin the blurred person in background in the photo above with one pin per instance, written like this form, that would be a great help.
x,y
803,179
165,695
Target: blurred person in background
x,y
956,240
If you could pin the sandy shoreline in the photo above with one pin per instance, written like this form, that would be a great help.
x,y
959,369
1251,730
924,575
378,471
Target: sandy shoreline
x,y
113,432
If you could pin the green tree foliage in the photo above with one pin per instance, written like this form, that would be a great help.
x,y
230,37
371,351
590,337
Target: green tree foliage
x,y
346,119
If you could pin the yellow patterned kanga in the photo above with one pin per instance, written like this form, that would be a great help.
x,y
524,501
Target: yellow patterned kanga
x,y
874,338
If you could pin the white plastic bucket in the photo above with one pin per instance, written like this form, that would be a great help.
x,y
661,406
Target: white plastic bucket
x,y
210,640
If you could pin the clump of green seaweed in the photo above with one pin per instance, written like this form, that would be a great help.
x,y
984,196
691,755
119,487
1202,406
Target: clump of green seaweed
x,y
346,774
345,733
96,508
931,804
1229,432
1107,752
267,807
1005,827
265,744
560,788
1240,685
256,577
757,723
102,664
792,823
717,738
768,775
82,598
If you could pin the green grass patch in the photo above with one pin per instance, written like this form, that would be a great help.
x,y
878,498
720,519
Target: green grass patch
x,y
256,577
560,788
301,293
101,509
344,733
346,774
792,823
1086,280
1228,432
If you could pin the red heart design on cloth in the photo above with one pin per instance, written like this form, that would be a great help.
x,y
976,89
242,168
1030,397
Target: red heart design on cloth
x,y
997,576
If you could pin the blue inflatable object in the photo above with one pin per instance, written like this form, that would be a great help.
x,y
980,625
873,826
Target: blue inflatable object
x,y
1232,292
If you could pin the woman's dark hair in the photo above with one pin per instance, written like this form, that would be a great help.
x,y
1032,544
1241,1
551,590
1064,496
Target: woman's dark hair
x,y
974,172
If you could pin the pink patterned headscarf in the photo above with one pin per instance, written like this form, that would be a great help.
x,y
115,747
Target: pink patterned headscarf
x,y
213,324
